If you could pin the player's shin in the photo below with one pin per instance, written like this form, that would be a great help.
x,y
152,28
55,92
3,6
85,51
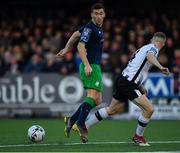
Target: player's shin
x,y
138,138
88,104
75,116
142,123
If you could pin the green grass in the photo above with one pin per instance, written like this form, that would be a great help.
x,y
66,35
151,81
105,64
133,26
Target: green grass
x,y
14,131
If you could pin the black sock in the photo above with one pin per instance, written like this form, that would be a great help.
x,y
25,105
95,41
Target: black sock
x,y
85,109
75,116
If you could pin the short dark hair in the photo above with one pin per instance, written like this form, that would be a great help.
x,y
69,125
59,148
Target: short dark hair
x,y
160,35
97,6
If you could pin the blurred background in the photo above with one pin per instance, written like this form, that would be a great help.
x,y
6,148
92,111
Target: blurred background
x,y
34,83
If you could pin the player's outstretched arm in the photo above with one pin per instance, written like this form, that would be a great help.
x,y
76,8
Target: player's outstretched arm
x,y
69,45
82,54
154,61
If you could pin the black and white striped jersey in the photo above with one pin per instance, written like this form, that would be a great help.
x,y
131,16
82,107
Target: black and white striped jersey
x,y
138,66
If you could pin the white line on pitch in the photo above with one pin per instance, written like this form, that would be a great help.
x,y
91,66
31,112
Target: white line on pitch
x,y
89,143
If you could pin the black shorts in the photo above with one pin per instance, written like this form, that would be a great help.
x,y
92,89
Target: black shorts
x,y
125,89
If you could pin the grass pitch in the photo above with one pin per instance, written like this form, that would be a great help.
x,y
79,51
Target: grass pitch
x,y
107,136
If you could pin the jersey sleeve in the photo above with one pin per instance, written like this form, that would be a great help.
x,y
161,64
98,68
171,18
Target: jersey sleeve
x,y
152,50
85,34
81,29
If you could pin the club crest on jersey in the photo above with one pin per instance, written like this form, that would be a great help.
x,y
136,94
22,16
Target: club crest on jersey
x,y
86,32
153,50
102,40
97,83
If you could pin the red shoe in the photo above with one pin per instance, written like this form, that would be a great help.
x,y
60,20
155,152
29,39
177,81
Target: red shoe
x,y
140,140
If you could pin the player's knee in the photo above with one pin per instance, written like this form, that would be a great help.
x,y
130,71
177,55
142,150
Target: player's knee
x,y
120,108
98,100
150,110
111,110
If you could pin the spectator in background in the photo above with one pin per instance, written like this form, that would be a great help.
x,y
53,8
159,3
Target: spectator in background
x,y
35,65
5,38
107,25
163,60
50,65
176,38
140,41
176,69
114,52
123,61
3,66
169,50
18,53
106,46
132,37
68,65
131,49
14,66
57,39
105,63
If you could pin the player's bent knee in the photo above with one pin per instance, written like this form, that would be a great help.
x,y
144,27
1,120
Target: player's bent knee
x,y
111,111
150,111
120,108
98,100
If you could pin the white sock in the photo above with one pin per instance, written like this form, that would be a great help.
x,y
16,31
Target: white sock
x,y
96,117
92,119
142,123
103,113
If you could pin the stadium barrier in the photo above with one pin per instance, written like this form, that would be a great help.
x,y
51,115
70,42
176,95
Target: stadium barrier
x,y
44,94
53,95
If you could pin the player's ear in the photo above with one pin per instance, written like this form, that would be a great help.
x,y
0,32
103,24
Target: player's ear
x,y
91,15
104,14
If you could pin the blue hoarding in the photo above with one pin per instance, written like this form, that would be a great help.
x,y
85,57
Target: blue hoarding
x,y
159,85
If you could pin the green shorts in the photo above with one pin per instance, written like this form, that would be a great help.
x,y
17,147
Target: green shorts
x,y
94,80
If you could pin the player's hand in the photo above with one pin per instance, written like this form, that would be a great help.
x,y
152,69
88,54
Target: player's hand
x,y
165,70
143,89
61,53
88,70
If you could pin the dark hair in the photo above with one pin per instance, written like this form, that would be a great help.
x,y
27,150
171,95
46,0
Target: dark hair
x,y
97,6
160,35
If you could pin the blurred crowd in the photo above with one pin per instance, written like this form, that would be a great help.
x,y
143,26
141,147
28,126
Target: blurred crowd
x,y
30,40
